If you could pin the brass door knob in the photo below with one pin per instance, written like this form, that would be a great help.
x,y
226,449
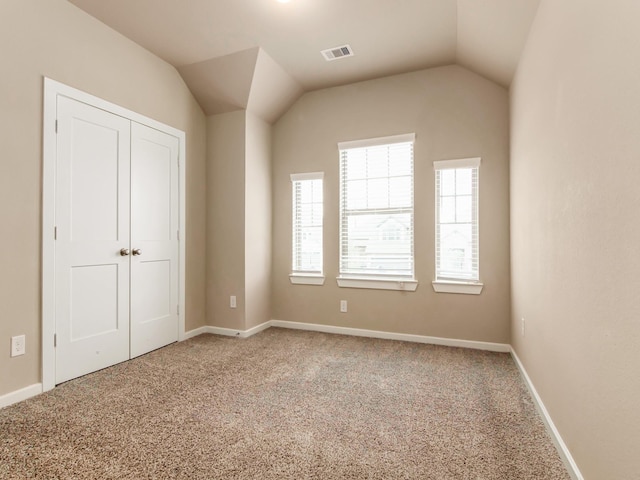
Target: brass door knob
x,y
137,251
124,252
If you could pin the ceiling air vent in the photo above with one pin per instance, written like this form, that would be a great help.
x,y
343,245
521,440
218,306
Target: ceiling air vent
x,y
337,52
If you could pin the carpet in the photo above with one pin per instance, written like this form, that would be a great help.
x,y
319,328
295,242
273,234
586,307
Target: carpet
x,y
285,404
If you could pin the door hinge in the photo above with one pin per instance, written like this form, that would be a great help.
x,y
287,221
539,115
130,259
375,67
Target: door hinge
x,y
55,233
55,340
178,309
56,126
178,234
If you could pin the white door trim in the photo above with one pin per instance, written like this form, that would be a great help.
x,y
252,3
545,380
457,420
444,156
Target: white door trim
x,y
51,91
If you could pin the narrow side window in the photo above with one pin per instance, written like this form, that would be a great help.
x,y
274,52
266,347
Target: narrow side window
x,y
307,222
457,245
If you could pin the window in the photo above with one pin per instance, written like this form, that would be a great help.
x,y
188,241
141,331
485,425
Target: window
x,y
457,258
307,228
376,213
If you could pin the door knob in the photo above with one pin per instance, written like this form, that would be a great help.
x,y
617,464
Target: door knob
x,y
124,252
137,251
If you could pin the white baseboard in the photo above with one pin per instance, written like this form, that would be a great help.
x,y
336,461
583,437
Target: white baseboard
x,y
228,332
564,452
19,395
406,337
357,332
256,329
195,332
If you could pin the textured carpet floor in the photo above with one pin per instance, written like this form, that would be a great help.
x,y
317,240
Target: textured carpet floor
x,y
285,405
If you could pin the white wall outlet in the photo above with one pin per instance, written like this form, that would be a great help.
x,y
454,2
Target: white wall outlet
x,y
18,345
343,306
522,324
232,301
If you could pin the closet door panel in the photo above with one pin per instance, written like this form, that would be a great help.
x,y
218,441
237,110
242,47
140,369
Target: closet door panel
x,y
154,239
92,225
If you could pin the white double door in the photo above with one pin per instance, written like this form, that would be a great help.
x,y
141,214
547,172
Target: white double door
x,y
116,247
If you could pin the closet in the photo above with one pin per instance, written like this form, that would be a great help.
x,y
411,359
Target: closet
x,y
116,245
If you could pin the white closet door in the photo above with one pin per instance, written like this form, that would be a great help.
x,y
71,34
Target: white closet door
x,y
154,239
92,224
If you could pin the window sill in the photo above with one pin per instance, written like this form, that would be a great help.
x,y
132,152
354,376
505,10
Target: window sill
x,y
308,279
409,285
467,288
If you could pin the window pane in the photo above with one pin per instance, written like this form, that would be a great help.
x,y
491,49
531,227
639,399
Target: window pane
x,y
316,218
447,209
311,246
401,165
305,213
317,190
377,239
400,192
455,250
463,181
378,163
463,209
456,230
307,226
378,193
306,191
357,164
447,182
356,194
380,242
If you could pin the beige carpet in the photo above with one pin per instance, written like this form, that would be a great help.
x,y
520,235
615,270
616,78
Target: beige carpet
x,y
285,405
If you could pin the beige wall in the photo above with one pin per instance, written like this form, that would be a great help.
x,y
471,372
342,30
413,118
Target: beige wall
x,y
55,39
226,219
455,114
257,221
239,220
574,195
575,167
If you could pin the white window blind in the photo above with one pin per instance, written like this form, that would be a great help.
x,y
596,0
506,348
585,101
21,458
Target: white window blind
x,y
457,255
376,207
307,223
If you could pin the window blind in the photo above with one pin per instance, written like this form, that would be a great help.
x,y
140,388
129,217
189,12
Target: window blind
x,y
307,223
376,208
457,249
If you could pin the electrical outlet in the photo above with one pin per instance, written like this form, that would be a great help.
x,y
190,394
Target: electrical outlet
x,y
343,306
232,301
18,345
523,324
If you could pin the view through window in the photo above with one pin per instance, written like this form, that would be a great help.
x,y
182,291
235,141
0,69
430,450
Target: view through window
x,y
307,223
376,207
457,255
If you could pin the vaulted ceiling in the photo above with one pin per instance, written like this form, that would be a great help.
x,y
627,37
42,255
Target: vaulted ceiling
x,y
262,54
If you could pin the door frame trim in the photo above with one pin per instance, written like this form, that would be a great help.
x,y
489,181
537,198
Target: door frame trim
x,y
52,89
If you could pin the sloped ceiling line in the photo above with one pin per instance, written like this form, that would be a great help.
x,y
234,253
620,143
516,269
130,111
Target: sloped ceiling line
x,y
259,54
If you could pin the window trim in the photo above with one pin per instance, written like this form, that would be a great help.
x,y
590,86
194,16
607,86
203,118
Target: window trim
x,y
306,277
473,162
453,285
300,177
380,282
448,286
375,142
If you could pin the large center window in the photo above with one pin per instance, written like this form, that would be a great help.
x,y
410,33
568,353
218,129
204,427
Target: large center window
x,y
376,212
